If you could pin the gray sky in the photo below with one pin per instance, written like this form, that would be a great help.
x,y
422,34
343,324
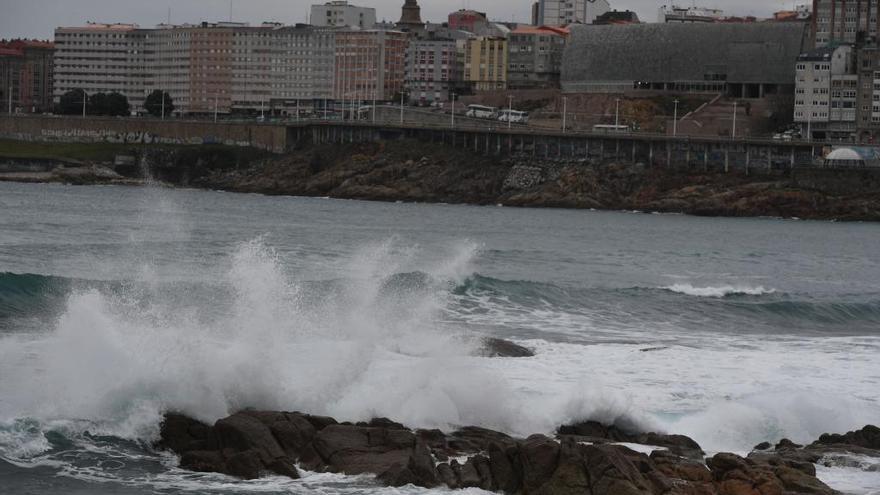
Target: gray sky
x,y
38,18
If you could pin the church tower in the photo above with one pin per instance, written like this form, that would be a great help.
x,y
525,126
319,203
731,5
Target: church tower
x,y
411,15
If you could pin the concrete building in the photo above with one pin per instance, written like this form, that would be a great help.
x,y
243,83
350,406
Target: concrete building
x,y
535,57
742,60
102,58
485,64
674,13
369,65
825,93
845,21
467,20
339,13
26,69
565,12
868,98
433,70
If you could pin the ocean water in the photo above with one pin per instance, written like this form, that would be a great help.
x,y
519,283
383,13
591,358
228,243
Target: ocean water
x,y
118,303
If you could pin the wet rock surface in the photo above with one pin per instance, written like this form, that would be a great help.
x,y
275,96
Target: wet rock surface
x,y
583,458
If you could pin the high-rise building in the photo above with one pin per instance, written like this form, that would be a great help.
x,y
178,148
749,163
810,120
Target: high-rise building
x,y
467,20
535,56
370,65
845,21
485,63
26,68
825,93
565,12
432,70
339,13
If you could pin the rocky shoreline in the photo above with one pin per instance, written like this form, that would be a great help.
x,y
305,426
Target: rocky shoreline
x,y
412,171
582,458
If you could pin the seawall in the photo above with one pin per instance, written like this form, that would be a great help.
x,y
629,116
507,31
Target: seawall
x,y
267,137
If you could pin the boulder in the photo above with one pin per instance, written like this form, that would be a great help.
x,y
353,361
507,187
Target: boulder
x,y
868,438
494,347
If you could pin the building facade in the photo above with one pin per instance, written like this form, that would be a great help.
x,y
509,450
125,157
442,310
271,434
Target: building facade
x,y
845,21
674,13
433,71
467,20
565,12
868,98
339,13
102,58
535,57
26,69
485,63
369,65
825,93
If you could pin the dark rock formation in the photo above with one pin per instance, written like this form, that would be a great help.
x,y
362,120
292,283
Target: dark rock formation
x,y
584,459
494,347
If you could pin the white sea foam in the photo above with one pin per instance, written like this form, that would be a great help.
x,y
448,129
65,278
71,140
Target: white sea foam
x,y
718,291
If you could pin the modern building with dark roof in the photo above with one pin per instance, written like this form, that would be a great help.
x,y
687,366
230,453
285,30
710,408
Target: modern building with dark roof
x,y
743,60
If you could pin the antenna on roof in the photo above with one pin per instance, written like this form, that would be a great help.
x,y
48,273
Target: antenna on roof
x,y
230,10
169,16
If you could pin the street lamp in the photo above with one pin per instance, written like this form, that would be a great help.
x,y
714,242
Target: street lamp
x,y
733,130
616,114
509,110
675,120
401,106
85,98
564,113
453,110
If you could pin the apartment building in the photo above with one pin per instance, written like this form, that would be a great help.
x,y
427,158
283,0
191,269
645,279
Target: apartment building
x,y
339,13
26,69
565,12
845,21
102,58
825,93
868,97
535,57
433,71
369,64
485,64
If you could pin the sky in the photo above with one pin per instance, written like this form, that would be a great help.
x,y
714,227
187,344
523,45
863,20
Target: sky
x,y
38,18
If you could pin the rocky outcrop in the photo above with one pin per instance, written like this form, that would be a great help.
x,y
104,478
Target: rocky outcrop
x,y
495,347
584,458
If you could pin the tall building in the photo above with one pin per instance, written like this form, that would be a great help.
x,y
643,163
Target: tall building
x,y
868,98
467,20
565,12
845,21
485,63
369,64
433,71
339,13
674,13
102,58
535,56
26,68
825,93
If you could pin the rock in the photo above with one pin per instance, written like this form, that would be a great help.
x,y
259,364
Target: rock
x,y
539,456
868,437
787,444
597,432
243,432
492,347
763,446
505,465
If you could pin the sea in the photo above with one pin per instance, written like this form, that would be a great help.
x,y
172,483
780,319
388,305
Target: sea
x,y
118,304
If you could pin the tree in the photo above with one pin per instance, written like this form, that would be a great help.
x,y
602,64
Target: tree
x,y
71,103
153,103
97,104
116,104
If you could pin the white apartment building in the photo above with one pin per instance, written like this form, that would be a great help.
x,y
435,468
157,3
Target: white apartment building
x,y
565,12
338,13
102,58
825,93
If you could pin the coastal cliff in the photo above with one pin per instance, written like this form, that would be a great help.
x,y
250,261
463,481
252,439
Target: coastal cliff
x,y
414,171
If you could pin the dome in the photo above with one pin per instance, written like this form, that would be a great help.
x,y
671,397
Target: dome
x,y
844,154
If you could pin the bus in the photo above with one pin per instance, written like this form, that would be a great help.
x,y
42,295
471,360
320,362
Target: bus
x,y
481,112
514,116
610,128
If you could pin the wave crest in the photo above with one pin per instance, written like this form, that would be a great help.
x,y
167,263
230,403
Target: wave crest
x,y
718,291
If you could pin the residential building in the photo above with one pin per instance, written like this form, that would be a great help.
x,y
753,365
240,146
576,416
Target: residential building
x,y
339,13
868,98
845,21
825,93
433,71
370,65
485,64
467,20
674,13
535,56
565,12
690,57
26,69
102,58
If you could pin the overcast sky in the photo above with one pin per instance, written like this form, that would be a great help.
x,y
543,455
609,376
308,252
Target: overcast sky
x,y
38,18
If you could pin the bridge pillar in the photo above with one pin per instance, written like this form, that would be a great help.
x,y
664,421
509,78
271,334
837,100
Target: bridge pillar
x,y
726,158
705,158
587,148
748,158
651,153
668,155
792,157
634,151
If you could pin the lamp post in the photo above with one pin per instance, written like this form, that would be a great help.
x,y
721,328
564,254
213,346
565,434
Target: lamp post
x,y
675,120
85,98
163,104
401,106
509,111
10,99
616,114
733,130
453,110
215,107
564,113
